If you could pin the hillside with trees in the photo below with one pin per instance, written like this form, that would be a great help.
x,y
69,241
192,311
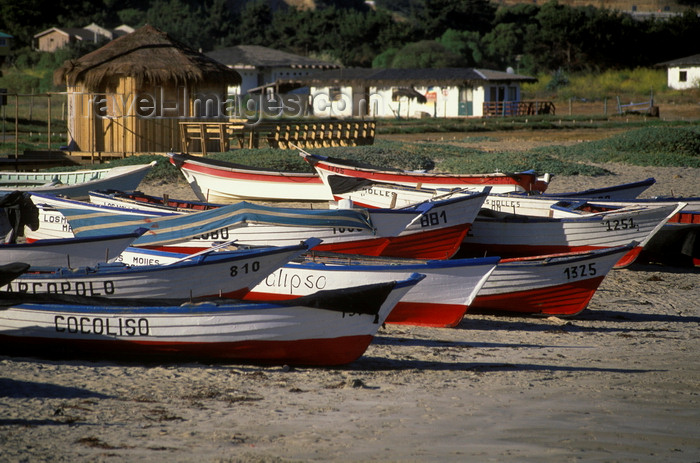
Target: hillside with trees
x,y
532,39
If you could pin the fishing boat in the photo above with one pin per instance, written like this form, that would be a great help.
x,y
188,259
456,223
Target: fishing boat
x,y
70,252
354,231
437,235
228,274
225,182
138,200
499,182
327,328
440,300
513,235
75,184
623,191
51,224
368,193
557,284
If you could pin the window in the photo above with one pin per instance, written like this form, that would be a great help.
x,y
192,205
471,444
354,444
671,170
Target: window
x,y
683,76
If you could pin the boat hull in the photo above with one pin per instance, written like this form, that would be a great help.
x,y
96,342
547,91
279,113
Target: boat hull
x,y
554,285
520,236
227,183
221,274
75,184
235,331
440,300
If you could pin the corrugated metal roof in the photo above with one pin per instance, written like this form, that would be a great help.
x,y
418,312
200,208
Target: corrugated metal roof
x,y
263,57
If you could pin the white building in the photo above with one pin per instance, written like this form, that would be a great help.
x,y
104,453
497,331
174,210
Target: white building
x,y
259,65
415,93
683,73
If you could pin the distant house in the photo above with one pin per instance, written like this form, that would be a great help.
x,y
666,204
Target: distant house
x,y
411,93
58,37
5,44
259,66
683,73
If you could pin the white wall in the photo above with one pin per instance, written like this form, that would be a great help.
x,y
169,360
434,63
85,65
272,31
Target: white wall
x,y
692,77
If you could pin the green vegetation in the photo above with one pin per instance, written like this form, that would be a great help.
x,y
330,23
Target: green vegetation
x,y
530,38
652,146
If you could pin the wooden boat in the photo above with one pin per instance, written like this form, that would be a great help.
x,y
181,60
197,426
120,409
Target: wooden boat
x,y
51,224
327,328
229,274
499,182
437,235
140,201
70,252
367,193
623,191
75,184
673,244
558,284
225,182
512,235
440,300
354,231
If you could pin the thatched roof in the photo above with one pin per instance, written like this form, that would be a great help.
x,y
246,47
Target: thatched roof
x,y
149,55
255,56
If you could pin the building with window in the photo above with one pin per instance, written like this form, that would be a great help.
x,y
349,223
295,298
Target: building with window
x,y
411,93
683,73
58,37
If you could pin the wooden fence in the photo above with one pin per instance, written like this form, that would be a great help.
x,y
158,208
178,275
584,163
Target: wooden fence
x,y
203,137
517,108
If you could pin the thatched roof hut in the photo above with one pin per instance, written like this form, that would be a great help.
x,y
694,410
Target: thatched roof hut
x,y
111,85
150,56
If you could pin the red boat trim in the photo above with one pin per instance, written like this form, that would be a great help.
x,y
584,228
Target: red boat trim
x,y
525,180
277,177
316,352
439,244
518,250
427,314
566,299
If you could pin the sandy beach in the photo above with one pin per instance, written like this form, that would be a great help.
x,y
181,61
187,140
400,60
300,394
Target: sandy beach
x,y
620,382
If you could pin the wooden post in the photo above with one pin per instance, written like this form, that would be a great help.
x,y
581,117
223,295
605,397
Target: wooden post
x,y
16,125
48,120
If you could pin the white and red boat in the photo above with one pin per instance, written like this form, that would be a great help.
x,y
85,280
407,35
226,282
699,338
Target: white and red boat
x,y
225,182
557,284
371,194
70,252
512,235
326,328
354,231
499,182
440,300
229,274
437,235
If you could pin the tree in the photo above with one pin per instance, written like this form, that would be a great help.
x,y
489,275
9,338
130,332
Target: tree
x,y
434,17
426,54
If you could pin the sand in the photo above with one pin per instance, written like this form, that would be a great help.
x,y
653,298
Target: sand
x,y
620,382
